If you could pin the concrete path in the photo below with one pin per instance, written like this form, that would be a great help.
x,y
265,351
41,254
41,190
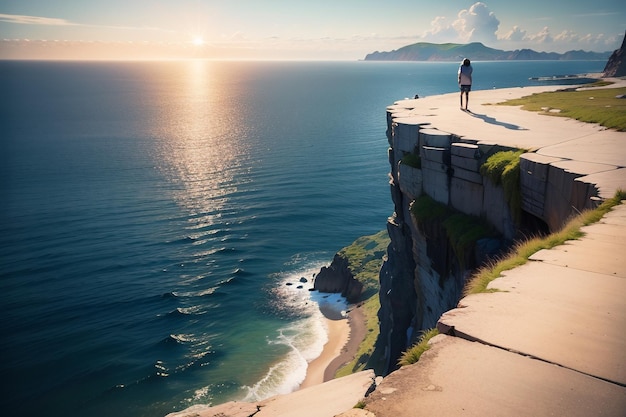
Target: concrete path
x,y
551,343
324,400
586,148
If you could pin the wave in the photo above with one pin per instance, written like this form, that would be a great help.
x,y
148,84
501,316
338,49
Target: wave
x,y
211,291
306,339
187,311
178,339
170,294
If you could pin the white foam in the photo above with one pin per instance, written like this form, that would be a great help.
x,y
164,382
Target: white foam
x,y
305,337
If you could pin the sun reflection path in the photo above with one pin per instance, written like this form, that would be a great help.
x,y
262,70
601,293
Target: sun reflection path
x,y
203,148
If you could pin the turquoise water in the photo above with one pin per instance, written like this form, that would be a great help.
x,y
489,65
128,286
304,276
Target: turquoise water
x,y
152,214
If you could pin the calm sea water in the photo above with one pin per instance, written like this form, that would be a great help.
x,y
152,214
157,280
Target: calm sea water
x,y
153,213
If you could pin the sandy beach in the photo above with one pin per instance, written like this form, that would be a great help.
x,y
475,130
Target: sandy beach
x,y
345,333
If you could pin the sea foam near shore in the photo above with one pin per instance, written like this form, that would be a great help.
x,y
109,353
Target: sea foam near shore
x,y
305,337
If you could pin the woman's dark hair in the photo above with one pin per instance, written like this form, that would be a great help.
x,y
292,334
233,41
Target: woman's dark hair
x,y
466,62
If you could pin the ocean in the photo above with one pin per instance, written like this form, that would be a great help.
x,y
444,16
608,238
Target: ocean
x,y
153,213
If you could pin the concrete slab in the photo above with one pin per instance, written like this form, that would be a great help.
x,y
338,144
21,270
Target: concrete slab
x,y
607,182
324,400
490,123
546,312
607,257
604,147
461,378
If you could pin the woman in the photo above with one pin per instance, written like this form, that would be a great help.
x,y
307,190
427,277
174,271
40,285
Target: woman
x,y
465,80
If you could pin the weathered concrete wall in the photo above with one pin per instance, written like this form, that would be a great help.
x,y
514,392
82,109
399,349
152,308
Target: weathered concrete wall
x,y
555,189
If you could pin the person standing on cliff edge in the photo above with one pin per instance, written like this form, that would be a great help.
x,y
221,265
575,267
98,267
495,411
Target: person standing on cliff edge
x,y
465,80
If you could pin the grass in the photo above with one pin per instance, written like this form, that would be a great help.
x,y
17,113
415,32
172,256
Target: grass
x,y
592,106
365,257
462,230
412,160
415,352
520,253
502,168
426,209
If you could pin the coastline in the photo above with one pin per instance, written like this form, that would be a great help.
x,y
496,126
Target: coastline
x,y
345,333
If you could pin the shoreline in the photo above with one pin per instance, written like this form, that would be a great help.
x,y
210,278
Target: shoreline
x,y
345,334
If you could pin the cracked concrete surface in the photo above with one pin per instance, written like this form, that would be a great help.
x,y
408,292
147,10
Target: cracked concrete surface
x,y
552,342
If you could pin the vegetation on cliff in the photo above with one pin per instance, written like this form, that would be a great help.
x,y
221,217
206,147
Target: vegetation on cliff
x,y
365,256
412,160
462,230
607,107
414,353
522,251
502,168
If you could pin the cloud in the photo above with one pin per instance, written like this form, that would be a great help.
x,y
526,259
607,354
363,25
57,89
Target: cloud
x,y
478,24
515,35
543,36
51,21
441,31
34,20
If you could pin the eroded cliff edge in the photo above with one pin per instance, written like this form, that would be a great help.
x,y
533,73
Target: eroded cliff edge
x,y
428,262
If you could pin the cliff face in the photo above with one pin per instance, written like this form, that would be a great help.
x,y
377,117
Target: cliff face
x,y
449,219
426,266
616,66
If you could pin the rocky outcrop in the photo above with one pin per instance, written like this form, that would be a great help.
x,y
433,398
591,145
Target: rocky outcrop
x,y
424,273
440,200
338,278
616,66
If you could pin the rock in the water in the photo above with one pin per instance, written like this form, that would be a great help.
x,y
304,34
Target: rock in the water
x,y
337,278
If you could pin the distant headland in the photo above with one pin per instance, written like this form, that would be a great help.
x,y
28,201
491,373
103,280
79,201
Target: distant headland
x,y
424,51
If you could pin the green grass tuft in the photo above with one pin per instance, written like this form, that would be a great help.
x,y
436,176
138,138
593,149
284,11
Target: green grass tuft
x,y
412,160
522,251
462,230
414,353
365,258
502,168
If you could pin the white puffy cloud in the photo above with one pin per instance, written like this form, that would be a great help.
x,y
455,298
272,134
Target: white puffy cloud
x,y
543,36
477,24
441,31
516,34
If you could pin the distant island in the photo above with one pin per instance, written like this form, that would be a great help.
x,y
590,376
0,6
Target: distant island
x,y
476,51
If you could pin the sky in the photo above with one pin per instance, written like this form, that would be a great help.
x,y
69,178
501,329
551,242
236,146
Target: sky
x,y
297,29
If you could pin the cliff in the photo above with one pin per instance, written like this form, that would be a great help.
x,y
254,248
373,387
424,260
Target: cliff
x,y
491,359
616,65
451,215
424,51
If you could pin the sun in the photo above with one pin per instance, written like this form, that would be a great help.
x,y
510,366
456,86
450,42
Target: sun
x,y
198,41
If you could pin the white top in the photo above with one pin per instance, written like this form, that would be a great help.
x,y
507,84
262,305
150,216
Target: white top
x,y
465,75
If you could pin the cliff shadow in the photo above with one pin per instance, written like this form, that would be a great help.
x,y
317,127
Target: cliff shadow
x,y
494,121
